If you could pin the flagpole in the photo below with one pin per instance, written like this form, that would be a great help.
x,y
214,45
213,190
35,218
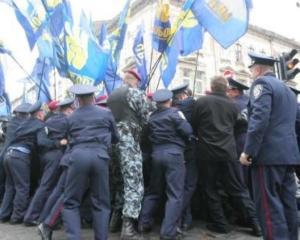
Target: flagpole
x,y
24,70
196,70
41,80
168,41
160,77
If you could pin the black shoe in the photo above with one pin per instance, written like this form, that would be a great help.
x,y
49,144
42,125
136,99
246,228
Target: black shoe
x,y
4,219
128,230
44,231
115,224
31,223
15,221
256,230
219,229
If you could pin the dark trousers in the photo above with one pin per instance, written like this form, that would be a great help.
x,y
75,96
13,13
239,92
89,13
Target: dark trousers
x,y
274,189
167,175
2,178
87,167
190,184
50,174
228,174
16,197
54,204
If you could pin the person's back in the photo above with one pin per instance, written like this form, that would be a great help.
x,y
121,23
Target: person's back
x,y
278,131
213,120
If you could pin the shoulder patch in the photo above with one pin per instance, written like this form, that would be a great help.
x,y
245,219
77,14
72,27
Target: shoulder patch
x,y
181,115
257,91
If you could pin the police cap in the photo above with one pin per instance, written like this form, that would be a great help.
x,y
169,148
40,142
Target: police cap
x,y
66,102
180,88
236,84
82,89
22,108
162,95
261,59
35,107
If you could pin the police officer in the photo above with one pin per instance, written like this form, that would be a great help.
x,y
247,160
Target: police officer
x,y
20,114
185,104
168,132
214,118
29,135
50,158
91,131
271,150
130,109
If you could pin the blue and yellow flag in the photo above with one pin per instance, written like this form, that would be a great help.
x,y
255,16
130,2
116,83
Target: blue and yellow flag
x,y
225,20
187,37
86,60
139,53
162,28
118,36
32,17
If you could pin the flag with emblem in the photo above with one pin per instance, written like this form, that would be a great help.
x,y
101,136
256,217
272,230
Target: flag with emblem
x,y
225,20
139,53
162,27
86,59
187,37
32,17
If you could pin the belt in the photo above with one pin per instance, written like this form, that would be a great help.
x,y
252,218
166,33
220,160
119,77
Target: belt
x,y
20,149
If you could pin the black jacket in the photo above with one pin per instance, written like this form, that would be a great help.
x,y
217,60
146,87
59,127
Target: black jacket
x,y
213,120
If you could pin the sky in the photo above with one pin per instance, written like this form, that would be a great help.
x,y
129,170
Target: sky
x,y
280,16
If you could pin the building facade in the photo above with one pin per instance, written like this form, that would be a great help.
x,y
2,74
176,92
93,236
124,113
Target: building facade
x,y
211,60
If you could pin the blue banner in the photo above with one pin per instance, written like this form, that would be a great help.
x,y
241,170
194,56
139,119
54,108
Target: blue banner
x,y
225,20
139,53
162,28
41,73
32,17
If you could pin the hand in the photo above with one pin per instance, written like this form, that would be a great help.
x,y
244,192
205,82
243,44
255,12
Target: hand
x,y
63,142
245,159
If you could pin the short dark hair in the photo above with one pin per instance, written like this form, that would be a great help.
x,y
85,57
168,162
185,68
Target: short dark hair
x,y
218,84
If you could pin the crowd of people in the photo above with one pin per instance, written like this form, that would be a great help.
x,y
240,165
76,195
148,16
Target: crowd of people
x,y
124,162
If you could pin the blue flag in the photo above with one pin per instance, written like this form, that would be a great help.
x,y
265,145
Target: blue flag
x,y
41,73
162,28
102,35
225,20
118,36
86,60
139,53
5,107
112,79
32,17
187,39
45,45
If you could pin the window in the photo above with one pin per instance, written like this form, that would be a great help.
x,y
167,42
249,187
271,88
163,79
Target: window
x,y
198,87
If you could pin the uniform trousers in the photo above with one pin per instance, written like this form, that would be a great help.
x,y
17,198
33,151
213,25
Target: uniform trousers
x,y
50,174
17,186
88,166
167,176
274,189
